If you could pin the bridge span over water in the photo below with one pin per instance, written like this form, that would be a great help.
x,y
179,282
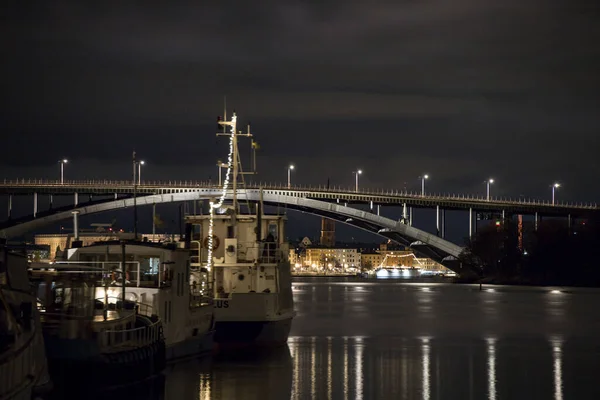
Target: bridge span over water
x,y
331,202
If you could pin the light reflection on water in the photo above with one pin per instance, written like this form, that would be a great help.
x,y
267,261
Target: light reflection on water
x,y
404,342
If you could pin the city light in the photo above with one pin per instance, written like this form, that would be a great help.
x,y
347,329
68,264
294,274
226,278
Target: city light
x,y
62,169
290,168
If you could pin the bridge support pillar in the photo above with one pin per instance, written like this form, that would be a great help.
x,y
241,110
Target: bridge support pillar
x,y
503,216
569,221
35,204
51,200
75,225
153,220
371,205
116,196
76,198
470,223
437,221
378,209
410,216
443,217
535,221
9,206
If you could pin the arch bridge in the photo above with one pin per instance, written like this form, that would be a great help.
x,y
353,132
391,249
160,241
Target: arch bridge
x,y
424,243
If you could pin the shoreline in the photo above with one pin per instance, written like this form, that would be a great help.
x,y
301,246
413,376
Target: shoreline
x,y
484,282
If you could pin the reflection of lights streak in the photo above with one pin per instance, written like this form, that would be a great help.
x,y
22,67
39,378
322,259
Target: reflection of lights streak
x,y
329,368
293,344
491,350
557,355
204,387
426,385
345,368
358,371
313,367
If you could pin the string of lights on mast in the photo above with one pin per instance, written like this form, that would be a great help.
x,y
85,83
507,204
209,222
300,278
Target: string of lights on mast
x,y
212,204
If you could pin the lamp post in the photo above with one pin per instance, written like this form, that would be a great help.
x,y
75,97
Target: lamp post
x,y
221,165
423,184
357,173
140,171
290,168
62,170
554,187
489,182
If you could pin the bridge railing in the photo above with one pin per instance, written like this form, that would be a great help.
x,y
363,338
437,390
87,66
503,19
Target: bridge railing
x,y
335,190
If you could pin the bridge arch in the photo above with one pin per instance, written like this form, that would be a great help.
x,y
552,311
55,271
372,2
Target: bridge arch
x,y
423,242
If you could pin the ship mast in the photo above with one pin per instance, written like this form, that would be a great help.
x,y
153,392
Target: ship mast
x,y
233,161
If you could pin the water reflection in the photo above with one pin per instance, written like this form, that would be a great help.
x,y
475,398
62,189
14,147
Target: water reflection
x,y
426,389
491,364
359,340
557,356
241,376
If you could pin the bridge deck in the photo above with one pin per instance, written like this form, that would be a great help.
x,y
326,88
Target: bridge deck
x,y
331,194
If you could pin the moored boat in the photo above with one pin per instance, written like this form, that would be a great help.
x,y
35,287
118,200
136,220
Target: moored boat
x,y
157,277
23,367
88,343
246,255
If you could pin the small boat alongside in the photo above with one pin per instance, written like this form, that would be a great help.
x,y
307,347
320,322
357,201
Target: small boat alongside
x,y
246,255
23,367
89,343
157,278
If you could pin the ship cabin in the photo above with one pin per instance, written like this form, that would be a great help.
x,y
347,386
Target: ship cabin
x,y
157,278
249,252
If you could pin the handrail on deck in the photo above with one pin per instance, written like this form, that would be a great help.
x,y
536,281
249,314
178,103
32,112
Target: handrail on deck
x,y
135,337
15,367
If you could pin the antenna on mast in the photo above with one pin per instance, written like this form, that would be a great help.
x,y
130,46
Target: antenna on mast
x,y
224,112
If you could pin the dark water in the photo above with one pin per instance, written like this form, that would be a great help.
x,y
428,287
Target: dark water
x,y
397,340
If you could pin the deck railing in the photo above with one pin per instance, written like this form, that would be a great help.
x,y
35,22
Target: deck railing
x,y
15,369
135,337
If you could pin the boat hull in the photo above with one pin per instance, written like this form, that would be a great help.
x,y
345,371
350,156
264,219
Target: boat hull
x,y
72,368
193,347
236,334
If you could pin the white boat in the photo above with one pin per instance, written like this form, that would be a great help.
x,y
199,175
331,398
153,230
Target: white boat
x,y
88,343
23,366
157,277
247,258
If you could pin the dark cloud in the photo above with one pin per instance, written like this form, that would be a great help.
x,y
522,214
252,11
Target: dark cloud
x,y
460,89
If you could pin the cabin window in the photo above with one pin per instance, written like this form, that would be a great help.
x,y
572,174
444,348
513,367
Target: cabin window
x,y
153,264
230,234
273,230
197,232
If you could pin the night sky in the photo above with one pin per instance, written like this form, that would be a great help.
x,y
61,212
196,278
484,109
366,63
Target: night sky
x,y
462,90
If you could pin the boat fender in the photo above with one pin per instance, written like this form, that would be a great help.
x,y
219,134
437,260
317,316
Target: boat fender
x,y
216,242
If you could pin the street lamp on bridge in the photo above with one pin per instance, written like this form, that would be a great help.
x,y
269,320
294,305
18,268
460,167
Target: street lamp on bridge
x,y
290,168
221,165
62,169
554,187
357,173
140,163
489,182
423,184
